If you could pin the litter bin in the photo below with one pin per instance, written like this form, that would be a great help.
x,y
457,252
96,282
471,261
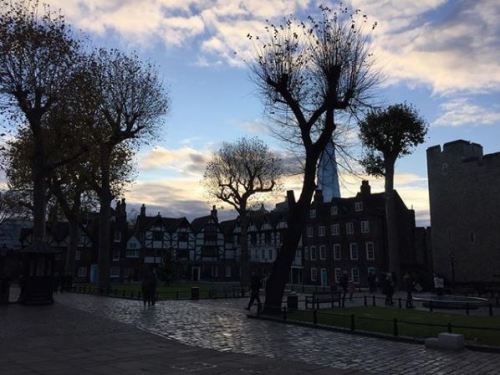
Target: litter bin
x,y
195,292
292,302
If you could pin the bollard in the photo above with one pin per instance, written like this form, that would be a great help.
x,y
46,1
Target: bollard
x,y
365,301
395,323
353,327
399,303
315,317
490,309
449,328
467,308
374,302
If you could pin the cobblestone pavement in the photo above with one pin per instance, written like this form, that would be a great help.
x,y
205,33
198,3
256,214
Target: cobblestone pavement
x,y
223,325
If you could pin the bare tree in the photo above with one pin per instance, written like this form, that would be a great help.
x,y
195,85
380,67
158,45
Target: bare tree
x,y
387,134
130,103
310,72
38,56
237,175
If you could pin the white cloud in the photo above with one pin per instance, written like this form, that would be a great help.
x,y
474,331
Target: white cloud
x,y
184,160
460,112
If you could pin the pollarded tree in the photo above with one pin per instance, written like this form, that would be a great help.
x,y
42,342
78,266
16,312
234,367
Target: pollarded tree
x,y
130,103
38,56
309,73
388,134
238,174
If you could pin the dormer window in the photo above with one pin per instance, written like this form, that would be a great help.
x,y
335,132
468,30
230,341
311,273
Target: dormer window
x,y
312,213
334,210
358,206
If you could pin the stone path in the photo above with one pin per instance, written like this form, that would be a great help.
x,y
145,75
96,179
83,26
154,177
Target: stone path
x,y
222,325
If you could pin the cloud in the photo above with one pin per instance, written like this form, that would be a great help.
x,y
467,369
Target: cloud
x,y
460,112
184,160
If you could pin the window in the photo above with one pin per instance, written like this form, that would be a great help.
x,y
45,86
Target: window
x,y
228,271
313,253
182,236
214,271
338,275
278,238
371,270
310,231
335,229
322,252
78,255
116,255
349,228
321,231
82,271
267,238
337,251
358,206
270,251
370,251
312,213
314,274
114,272
157,235
355,275
117,236
132,253
353,248
334,210
365,226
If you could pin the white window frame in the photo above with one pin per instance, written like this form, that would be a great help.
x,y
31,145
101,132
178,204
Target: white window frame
x,y
82,271
358,206
310,231
313,253
365,226
367,246
335,229
322,252
116,258
352,246
338,274
312,213
314,274
321,231
349,227
337,255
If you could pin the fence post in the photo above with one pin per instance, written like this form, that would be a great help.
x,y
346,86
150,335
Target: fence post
x,y
449,327
315,316
395,323
490,309
353,327
374,302
365,301
467,308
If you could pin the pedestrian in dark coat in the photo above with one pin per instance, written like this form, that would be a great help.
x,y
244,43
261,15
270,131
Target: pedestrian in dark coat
x,y
344,283
255,285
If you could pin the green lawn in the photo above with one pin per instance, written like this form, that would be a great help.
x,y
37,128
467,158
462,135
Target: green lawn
x,y
175,290
381,319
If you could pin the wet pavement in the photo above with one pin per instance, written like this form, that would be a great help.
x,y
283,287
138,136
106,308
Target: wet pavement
x,y
223,325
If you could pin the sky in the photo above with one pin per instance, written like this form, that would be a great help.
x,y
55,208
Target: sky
x,y
441,56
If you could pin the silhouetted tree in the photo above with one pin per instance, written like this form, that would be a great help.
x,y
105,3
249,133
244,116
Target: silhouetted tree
x,y
10,206
130,103
387,134
237,174
309,72
38,57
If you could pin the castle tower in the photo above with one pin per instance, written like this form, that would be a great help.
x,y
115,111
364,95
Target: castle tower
x,y
327,178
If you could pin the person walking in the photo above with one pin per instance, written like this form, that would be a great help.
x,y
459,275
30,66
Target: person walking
x,y
148,286
255,285
371,282
409,285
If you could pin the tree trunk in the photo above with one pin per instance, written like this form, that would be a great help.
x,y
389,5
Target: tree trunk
x,y
297,213
391,219
105,198
244,258
74,237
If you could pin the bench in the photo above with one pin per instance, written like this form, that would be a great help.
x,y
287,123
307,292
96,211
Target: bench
x,y
319,298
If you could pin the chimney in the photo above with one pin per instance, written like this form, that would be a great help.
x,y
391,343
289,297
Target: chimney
x,y
365,188
143,210
290,198
214,212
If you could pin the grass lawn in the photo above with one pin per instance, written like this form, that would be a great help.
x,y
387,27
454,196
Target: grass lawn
x,y
177,290
381,319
